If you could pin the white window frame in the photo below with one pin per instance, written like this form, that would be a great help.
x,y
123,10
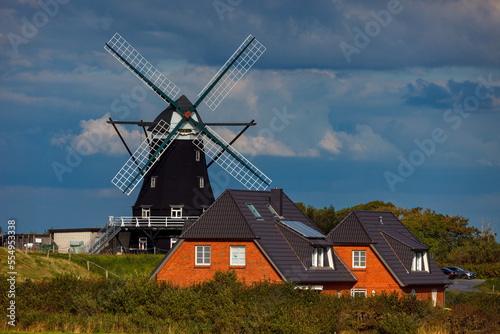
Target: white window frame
x,y
153,182
318,257
146,212
237,255
355,292
254,210
176,212
201,182
357,256
197,155
143,243
205,251
420,261
329,253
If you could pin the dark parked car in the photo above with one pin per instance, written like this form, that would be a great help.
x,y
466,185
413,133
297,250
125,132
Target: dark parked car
x,y
462,273
449,273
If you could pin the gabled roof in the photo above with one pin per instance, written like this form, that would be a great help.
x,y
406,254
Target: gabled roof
x,y
391,241
231,217
224,221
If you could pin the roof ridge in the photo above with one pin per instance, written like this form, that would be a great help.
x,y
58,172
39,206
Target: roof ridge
x,y
389,235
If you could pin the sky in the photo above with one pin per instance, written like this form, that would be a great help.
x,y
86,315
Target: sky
x,y
355,101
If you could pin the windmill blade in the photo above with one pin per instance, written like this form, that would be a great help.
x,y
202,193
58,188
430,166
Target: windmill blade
x,y
119,48
231,160
232,72
146,155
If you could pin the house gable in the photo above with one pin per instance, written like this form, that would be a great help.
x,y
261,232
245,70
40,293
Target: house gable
x,y
393,243
223,220
349,230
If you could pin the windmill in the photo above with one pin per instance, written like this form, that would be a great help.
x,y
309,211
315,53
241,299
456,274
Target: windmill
x,y
178,137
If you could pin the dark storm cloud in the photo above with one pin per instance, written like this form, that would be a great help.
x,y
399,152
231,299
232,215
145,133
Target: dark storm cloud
x,y
430,94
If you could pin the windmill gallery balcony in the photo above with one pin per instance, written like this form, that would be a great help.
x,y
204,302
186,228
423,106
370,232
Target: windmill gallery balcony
x,y
155,221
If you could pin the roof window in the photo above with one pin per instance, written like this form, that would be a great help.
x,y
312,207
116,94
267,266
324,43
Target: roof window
x,y
254,210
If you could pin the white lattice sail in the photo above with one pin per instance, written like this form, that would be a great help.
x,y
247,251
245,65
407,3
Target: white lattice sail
x,y
119,48
146,155
235,164
253,49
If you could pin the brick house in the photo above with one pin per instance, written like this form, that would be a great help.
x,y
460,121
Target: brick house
x,y
261,235
385,256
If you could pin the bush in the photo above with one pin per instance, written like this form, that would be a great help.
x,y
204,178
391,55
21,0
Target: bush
x,y
227,305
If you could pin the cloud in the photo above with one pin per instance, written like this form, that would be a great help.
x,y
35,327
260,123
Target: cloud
x,y
445,96
364,144
263,145
96,136
330,142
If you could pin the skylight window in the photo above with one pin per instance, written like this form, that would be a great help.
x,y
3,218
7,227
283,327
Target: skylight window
x,y
254,210
303,229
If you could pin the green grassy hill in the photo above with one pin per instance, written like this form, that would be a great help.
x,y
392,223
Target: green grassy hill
x,y
37,266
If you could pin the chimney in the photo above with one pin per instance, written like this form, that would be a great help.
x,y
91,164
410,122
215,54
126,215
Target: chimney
x,y
277,200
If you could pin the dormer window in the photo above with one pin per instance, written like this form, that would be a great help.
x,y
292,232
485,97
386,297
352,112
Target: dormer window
x,y
420,261
322,257
317,257
146,212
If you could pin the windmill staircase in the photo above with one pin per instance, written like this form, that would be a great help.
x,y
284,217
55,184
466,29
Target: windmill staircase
x,y
102,237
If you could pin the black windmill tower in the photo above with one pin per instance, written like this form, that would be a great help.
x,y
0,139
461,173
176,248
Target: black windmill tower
x,y
173,158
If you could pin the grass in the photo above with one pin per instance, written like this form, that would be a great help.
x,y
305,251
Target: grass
x,y
37,266
490,285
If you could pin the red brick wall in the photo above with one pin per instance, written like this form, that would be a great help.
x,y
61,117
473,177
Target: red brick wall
x,y
181,269
375,277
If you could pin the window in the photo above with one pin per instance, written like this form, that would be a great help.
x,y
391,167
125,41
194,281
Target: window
x,y
197,155
153,181
146,212
143,243
420,262
254,210
237,255
176,212
358,292
359,259
317,257
202,255
270,207
202,181
173,241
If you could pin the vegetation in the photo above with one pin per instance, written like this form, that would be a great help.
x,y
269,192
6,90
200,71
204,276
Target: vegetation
x,y
226,305
450,239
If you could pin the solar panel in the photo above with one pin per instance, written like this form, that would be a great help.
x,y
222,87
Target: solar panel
x,y
303,229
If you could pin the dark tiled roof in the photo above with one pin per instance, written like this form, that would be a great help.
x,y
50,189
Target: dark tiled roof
x,y
391,240
291,253
223,220
287,252
350,230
